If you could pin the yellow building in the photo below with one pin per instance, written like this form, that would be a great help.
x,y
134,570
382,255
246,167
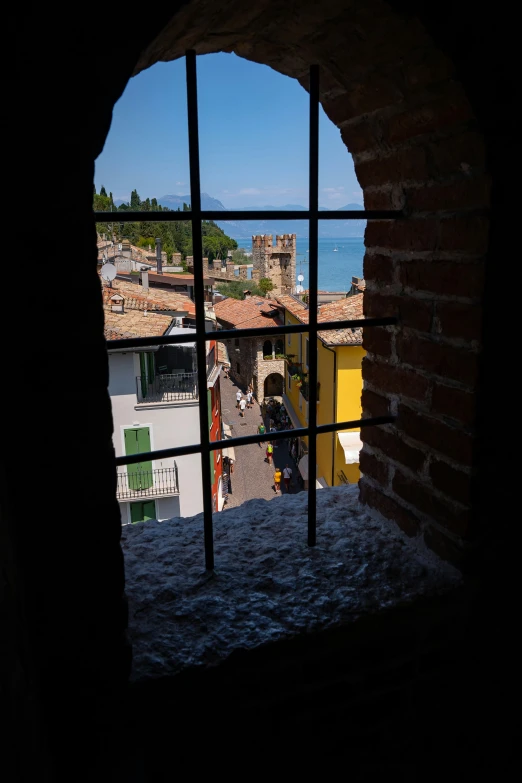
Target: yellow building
x,y
339,373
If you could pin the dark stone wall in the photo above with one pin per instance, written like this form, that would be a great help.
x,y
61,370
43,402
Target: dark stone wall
x,y
62,570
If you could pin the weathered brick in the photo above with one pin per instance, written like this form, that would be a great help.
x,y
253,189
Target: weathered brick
x,y
454,483
375,91
465,234
454,403
407,165
383,199
454,319
378,268
448,278
455,519
378,233
463,153
411,312
458,364
395,380
412,235
358,136
389,508
374,404
452,108
393,447
426,66
371,466
466,193
378,340
435,434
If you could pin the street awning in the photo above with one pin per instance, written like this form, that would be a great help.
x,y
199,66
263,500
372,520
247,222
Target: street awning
x,y
320,482
213,376
352,444
228,452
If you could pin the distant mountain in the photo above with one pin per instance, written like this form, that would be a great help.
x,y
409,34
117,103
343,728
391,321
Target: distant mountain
x,y
207,202
327,228
240,229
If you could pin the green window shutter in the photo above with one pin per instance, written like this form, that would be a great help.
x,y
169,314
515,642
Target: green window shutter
x,y
143,375
151,367
141,512
139,474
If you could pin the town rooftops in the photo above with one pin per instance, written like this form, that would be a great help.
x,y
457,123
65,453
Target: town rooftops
x,y
172,278
134,323
157,299
247,313
342,310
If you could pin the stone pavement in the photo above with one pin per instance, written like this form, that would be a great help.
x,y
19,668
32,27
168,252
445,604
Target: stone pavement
x,y
253,477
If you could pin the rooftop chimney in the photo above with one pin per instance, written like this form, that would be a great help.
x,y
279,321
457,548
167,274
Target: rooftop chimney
x,y
159,268
117,303
145,280
247,294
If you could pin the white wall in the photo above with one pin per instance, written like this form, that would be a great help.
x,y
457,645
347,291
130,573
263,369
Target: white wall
x,y
170,424
166,508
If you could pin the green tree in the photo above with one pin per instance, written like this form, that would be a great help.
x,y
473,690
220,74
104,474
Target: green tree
x,y
135,201
266,285
235,289
103,192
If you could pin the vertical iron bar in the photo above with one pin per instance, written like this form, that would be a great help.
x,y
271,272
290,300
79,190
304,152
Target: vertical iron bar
x,y
313,232
199,296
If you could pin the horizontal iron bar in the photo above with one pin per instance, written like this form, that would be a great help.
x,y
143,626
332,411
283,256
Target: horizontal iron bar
x,y
229,334
180,451
230,214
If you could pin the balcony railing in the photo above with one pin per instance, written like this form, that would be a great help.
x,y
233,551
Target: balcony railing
x,y
135,484
170,387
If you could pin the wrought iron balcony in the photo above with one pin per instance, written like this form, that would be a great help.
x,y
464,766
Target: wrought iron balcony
x,y
133,484
170,387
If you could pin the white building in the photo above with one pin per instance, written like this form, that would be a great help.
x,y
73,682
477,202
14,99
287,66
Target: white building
x,y
155,405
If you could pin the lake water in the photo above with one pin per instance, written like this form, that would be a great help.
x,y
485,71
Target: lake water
x,y
336,268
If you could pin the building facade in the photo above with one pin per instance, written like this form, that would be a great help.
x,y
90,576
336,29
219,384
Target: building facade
x,y
155,404
339,372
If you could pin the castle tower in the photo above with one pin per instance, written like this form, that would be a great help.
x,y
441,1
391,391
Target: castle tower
x,y
277,262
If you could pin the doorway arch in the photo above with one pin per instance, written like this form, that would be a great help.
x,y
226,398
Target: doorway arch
x,y
274,385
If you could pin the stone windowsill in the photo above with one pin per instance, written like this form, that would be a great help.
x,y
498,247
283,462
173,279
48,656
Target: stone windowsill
x,y
268,585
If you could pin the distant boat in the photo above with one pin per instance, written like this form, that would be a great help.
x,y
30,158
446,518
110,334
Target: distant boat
x,y
336,249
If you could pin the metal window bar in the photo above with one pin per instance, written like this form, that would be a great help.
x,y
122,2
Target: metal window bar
x,y
196,215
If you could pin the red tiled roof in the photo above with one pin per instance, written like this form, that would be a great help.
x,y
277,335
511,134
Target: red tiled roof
x,y
171,278
341,310
247,313
133,323
153,299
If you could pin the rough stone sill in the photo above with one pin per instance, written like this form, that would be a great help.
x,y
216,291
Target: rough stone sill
x,y
268,584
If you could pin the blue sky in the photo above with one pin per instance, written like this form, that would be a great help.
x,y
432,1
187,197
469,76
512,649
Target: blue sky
x,y
253,138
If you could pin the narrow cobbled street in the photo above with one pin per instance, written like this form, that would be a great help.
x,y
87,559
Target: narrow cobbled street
x,y
253,477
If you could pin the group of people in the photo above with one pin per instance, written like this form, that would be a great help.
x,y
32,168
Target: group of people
x,y
245,402
287,477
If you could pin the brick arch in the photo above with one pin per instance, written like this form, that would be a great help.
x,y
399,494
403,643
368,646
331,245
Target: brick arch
x,y
416,147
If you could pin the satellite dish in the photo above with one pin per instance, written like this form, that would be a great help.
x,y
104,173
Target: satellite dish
x,y
300,278
299,289
108,272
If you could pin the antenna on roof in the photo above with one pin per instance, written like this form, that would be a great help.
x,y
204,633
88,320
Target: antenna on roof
x,y
108,273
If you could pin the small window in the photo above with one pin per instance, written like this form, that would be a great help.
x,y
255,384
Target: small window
x,y
236,342
289,340
238,368
307,351
279,347
267,348
289,382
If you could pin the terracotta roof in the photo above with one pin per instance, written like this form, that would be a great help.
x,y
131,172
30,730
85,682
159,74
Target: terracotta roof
x,y
341,310
292,305
153,299
134,323
247,313
222,354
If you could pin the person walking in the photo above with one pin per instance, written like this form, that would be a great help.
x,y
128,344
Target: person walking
x,y
261,431
269,453
238,398
277,481
242,406
249,399
287,476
